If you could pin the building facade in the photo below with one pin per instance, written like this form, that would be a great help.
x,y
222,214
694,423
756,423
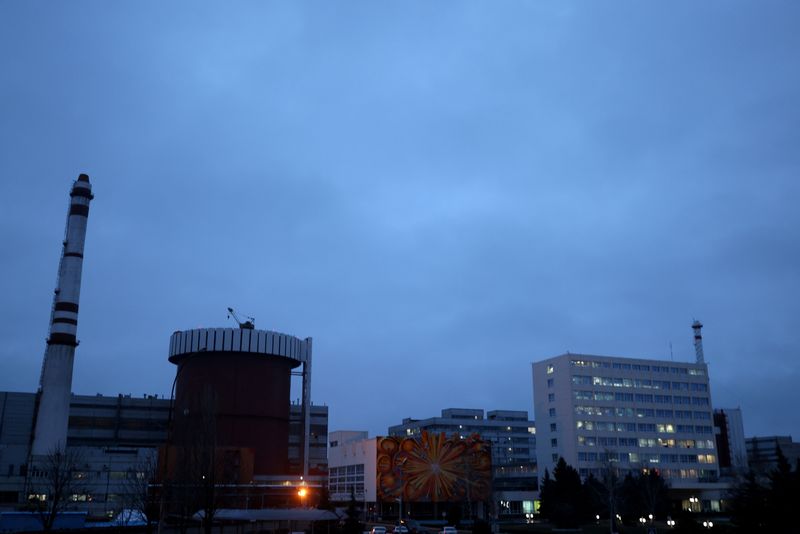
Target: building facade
x,y
427,476
762,452
731,446
115,440
513,446
601,413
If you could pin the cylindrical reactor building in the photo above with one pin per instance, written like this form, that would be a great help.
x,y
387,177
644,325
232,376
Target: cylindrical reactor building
x,y
235,383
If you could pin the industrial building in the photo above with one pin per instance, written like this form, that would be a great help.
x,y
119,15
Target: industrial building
x,y
232,405
513,442
112,443
605,412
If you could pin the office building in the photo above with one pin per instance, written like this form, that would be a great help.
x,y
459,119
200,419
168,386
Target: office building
x,y
629,415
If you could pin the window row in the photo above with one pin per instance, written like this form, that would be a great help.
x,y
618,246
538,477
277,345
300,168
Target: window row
x,y
640,397
638,367
615,411
686,473
603,441
356,469
661,428
618,382
649,458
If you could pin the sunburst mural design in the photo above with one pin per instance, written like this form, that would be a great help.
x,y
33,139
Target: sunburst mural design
x,y
433,468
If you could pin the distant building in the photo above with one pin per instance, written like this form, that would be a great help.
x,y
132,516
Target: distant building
x,y
731,448
513,439
762,451
602,412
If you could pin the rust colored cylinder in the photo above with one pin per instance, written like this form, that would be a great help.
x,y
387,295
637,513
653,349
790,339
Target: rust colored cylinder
x,y
237,396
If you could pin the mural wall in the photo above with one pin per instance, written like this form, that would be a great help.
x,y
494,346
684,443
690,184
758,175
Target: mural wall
x,y
433,468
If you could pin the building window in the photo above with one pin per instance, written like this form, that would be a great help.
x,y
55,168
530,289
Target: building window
x,y
549,382
551,397
550,369
555,457
554,442
552,412
552,427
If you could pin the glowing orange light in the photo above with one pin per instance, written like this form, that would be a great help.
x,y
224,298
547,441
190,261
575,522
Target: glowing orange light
x,y
301,492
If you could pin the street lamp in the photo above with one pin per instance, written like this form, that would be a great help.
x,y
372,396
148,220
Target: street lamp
x,y
400,464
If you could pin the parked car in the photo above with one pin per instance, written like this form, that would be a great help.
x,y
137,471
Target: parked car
x,y
378,530
449,530
401,529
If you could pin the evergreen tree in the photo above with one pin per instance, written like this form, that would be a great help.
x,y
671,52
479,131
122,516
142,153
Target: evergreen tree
x,y
562,497
352,525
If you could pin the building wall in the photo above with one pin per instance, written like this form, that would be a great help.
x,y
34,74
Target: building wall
x,y
116,437
352,466
762,451
731,448
318,445
636,413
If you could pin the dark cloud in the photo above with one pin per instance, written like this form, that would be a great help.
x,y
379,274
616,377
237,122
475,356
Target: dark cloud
x,y
439,194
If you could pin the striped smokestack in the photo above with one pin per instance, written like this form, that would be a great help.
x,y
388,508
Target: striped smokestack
x,y
55,383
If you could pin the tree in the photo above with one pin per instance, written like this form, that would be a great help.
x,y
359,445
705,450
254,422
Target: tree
x,y
644,494
136,496
562,497
198,466
56,478
351,524
766,504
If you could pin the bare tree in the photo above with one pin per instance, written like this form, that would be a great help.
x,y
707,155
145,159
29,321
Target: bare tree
x,y
197,466
136,496
54,481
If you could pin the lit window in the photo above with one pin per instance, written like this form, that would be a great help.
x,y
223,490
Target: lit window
x,y
550,369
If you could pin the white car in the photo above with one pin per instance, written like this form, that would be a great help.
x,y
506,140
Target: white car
x,y
449,530
401,529
378,530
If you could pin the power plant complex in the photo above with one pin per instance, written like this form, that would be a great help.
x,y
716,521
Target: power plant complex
x,y
232,398
228,442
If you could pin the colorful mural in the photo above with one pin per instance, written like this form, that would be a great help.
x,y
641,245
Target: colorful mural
x,y
433,468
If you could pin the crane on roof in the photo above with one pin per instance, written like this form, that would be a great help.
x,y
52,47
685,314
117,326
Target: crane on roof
x,y
248,324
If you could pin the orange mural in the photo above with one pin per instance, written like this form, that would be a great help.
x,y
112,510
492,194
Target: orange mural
x,y
433,468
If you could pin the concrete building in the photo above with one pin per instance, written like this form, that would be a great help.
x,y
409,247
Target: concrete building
x,y
603,412
513,440
351,466
762,452
115,439
731,447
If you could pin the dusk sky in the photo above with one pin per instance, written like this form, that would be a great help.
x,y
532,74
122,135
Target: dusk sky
x,y
439,193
